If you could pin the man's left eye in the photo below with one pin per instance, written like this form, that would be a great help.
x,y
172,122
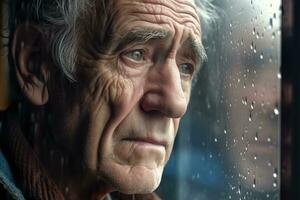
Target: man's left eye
x,y
136,55
186,69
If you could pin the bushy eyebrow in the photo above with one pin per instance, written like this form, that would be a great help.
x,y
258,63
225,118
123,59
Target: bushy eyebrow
x,y
198,51
139,36
143,35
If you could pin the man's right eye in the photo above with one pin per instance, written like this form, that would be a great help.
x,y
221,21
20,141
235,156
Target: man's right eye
x,y
136,54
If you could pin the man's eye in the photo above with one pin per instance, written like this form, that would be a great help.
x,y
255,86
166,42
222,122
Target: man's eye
x,y
186,69
136,55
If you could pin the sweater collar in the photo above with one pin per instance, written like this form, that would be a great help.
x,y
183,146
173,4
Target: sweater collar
x,y
29,173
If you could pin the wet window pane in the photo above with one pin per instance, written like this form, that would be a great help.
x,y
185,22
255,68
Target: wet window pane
x,y
229,144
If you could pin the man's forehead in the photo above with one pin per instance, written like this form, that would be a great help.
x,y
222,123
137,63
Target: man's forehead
x,y
177,5
160,12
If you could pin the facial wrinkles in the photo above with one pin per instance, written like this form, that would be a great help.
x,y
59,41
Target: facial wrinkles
x,y
160,12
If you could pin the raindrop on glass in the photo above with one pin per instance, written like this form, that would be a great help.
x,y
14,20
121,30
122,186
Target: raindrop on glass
x,y
275,174
276,111
256,136
257,35
254,183
261,56
269,164
239,189
253,32
279,75
245,100
270,60
271,23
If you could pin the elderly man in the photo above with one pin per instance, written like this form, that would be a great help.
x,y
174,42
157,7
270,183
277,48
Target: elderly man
x,y
100,89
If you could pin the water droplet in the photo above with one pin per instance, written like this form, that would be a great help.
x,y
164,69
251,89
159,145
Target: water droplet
x,y
279,75
250,116
256,136
275,174
253,32
234,140
216,140
273,35
254,183
261,56
230,25
271,23
245,100
239,189
225,132
255,157
276,111
275,184
251,46
257,35
270,60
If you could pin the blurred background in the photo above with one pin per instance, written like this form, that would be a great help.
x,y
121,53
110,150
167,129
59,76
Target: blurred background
x,y
3,65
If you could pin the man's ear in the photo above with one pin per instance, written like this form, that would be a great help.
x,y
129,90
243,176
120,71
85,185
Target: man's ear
x,y
31,67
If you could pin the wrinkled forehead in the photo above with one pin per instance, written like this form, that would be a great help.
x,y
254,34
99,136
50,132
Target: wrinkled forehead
x,y
174,13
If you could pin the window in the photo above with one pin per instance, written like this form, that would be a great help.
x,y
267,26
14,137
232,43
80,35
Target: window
x,y
228,146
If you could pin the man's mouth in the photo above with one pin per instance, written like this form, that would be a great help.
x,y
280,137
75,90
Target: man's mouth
x,y
147,141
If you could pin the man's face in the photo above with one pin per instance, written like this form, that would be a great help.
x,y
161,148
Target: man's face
x,y
130,101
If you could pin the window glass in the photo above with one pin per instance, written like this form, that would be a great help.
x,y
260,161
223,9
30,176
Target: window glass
x,y
228,146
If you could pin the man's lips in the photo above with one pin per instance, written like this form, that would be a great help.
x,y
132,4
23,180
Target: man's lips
x,y
151,141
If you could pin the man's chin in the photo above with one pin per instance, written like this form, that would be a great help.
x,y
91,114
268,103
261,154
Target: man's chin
x,y
136,179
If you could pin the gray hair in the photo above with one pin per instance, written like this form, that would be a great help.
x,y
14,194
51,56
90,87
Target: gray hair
x,y
59,21
208,14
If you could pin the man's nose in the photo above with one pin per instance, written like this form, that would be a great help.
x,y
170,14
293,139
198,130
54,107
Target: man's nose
x,y
164,92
